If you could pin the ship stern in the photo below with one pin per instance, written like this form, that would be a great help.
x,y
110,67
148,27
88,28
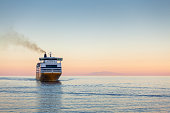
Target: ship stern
x,y
49,77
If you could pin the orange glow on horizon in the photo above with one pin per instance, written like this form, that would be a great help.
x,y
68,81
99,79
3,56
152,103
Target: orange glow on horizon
x,y
15,63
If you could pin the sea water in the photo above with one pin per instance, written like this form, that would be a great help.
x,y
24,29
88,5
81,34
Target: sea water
x,y
89,94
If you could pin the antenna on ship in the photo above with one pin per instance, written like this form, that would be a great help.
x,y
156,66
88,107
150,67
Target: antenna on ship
x,y
50,53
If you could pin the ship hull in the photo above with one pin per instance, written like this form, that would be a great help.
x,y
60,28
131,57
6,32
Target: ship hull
x,y
48,77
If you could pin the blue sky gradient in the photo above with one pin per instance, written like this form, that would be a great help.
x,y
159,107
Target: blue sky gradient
x,y
113,30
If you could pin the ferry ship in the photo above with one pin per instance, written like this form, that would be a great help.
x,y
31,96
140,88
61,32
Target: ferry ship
x,y
49,69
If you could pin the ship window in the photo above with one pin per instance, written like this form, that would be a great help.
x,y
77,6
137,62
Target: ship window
x,y
51,66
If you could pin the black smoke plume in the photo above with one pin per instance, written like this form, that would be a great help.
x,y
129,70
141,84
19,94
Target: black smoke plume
x,y
14,38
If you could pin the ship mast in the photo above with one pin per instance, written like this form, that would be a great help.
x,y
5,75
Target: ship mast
x,y
50,54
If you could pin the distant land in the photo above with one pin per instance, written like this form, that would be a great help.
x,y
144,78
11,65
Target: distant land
x,y
109,73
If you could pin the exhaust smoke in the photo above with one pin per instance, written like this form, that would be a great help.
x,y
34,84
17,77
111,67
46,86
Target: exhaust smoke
x,y
14,38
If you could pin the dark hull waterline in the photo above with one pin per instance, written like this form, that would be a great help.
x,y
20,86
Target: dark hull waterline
x,y
48,77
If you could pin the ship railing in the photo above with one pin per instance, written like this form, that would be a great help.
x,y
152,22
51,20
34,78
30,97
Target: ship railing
x,y
50,70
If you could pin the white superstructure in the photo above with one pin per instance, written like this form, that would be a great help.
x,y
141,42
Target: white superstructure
x,y
49,68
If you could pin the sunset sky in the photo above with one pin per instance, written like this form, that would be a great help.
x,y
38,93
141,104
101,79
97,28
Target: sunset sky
x,y
94,37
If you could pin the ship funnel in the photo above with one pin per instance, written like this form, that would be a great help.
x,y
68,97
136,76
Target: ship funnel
x,y
45,55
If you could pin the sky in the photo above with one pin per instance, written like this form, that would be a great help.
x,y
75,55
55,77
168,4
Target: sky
x,y
94,37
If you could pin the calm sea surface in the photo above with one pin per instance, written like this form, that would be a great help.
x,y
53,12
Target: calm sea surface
x,y
85,94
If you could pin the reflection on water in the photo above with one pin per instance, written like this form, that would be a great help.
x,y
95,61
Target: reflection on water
x,y
85,94
25,94
49,98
